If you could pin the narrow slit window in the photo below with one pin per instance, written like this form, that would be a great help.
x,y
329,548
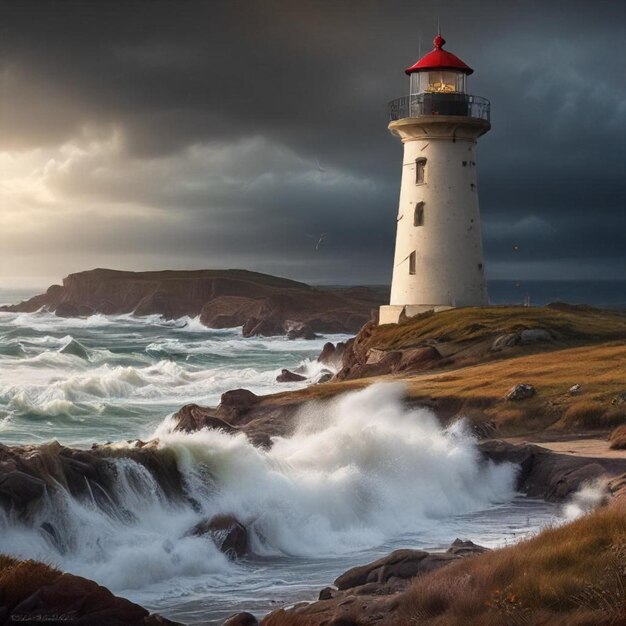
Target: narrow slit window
x,y
420,171
418,216
412,263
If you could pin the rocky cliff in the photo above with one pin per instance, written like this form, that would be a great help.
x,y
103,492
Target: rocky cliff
x,y
261,304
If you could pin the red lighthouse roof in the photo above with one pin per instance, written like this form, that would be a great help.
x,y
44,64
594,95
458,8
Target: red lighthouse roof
x,y
439,59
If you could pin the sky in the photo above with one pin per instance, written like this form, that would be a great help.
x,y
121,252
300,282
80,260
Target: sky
x,y
232,134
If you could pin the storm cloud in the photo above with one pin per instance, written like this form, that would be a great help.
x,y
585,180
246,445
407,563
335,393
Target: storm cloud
x,y
148,135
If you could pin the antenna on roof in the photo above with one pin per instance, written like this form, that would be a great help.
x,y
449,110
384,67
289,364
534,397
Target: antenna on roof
x,y
419,46
438,26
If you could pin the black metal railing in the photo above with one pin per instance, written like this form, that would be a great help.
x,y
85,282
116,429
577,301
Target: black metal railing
x,y
439,104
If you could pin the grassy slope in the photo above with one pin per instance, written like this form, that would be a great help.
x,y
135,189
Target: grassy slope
x,y
589,349
573,574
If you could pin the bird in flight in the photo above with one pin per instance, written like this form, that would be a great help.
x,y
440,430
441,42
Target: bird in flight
x,y
319,167
320,240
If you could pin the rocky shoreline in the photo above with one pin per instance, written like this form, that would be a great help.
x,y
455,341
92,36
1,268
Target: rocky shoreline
x,y
32,478
260,304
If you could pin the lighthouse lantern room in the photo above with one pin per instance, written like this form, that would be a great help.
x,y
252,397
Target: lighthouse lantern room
x,y
438,260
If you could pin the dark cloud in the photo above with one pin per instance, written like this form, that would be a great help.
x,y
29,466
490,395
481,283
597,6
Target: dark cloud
x,y
230,133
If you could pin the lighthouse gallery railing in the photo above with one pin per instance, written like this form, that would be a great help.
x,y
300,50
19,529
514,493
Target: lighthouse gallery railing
x,y
439,104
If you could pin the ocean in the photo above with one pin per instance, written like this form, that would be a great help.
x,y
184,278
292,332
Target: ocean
x,y
360,476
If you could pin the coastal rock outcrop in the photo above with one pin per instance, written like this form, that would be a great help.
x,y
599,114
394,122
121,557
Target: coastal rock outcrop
x,y
287,376
262,304
32,592
227,532
371,590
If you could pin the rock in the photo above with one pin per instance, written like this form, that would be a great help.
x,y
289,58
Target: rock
x,y
261,327
236,403
505,341
289,377
66,309
417,359
521,391
399,564
465,548
76,348
298,330
82,600
534,335
241,619
332,354
327,593
574,390
228,534
324,378
21,488
192,417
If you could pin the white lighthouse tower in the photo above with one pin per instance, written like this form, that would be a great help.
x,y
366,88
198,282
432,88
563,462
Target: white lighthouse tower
x,y
439,259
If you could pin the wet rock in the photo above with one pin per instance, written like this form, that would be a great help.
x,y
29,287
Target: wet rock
x,y
21,488
289,377
241,619
332,354
327,593
399,564
534,335
67,309
505,341
298,330
521,391
192,417
73,598
229,535
266,327
235,403
324,378
75,348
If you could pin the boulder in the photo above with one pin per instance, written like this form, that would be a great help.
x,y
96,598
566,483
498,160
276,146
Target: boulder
x,y
289,377
265,327
521,391
324,378
75,348
298,330
399,564
465,548
534,335
228,534
505,341
192,417
67,309
241,619
332,354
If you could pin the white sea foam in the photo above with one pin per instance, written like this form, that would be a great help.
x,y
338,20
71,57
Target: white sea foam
x,y
356,472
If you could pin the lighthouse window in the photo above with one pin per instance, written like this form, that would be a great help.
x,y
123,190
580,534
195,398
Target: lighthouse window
x,y
412,263
420,170
418,216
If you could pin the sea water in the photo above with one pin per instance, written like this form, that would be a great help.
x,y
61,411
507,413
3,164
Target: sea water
x,y
359,476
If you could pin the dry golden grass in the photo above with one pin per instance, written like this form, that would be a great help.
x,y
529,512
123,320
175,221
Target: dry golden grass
x,y
478,390
618,438
582,324
573,574
20,579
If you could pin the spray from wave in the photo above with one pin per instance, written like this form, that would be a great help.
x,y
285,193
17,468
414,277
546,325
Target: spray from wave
x,y
356,472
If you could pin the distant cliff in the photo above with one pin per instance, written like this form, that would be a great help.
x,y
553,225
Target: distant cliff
x,y
260,303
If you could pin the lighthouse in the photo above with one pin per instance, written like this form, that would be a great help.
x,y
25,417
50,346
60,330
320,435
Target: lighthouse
x,y
438,261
